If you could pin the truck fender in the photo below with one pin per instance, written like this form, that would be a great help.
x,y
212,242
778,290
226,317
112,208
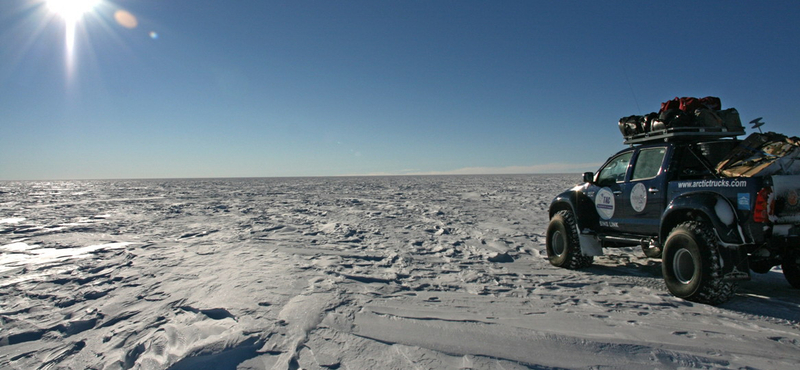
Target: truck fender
x,y
586,218
711,207
580,205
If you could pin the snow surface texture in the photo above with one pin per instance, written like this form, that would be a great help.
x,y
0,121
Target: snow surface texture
x,y
346,273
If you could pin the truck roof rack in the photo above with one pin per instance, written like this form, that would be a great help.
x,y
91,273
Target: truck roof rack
x,y
682,134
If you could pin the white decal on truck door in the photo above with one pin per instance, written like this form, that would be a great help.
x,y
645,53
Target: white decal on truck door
x,y
604,202
639,197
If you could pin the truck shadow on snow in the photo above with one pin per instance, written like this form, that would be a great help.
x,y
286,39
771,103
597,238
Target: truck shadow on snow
x,y
766,295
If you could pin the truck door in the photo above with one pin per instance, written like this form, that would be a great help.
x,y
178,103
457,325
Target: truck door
x,y
608,190
643,195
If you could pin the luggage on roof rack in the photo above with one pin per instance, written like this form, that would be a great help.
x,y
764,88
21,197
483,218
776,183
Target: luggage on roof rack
x,y
683,119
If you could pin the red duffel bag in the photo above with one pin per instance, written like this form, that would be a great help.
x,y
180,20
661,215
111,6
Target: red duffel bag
x,y
689,104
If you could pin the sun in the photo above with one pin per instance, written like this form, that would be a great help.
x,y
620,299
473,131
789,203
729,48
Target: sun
x,y
71,10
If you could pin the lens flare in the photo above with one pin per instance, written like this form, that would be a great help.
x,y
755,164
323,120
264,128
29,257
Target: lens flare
x,y
126,19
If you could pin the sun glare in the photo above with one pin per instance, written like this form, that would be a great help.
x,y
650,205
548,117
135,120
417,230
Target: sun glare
x,y
71,11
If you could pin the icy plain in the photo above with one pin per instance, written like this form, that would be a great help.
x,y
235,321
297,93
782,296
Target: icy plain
x,y
347,273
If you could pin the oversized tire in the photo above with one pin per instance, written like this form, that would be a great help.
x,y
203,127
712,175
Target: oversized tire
x,y
562,244
691,265
791,269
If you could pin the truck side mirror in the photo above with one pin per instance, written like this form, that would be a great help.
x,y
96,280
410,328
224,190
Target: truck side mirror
x,y
588,177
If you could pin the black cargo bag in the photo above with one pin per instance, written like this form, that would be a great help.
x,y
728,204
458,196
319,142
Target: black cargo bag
x,y
730,120
631,126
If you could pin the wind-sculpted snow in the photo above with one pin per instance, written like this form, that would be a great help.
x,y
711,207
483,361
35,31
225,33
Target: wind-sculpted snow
x,y
346,273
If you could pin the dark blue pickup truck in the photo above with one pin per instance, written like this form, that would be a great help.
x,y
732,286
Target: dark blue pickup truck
x,y
664,193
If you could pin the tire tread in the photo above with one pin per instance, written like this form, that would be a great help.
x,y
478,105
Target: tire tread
x,y
575,258
714,290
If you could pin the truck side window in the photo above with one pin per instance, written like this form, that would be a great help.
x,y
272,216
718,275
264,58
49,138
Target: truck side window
x,y
614,171
648,163
690,165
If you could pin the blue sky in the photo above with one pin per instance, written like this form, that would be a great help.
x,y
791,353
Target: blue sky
x,y
206,88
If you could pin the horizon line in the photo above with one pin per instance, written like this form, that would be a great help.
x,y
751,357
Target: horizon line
x,y
544,169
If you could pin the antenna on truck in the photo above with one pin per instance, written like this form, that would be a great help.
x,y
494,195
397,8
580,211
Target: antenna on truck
x,y
757,123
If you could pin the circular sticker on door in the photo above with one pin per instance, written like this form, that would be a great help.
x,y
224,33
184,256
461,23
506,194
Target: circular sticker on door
x,y
604,202
638,197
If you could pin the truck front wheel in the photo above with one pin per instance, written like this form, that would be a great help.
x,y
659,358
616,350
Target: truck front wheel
x,y
691,265
563,246
791,269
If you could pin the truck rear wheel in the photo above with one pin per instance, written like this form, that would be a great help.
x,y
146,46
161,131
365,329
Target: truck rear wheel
x,y
562,244
691,265
791,269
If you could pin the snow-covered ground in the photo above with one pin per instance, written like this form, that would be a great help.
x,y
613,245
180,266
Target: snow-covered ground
x,y
346,273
